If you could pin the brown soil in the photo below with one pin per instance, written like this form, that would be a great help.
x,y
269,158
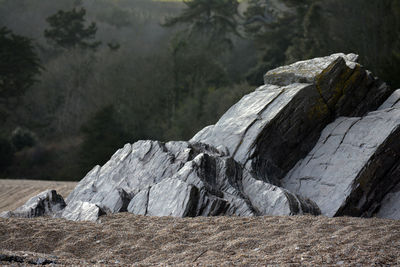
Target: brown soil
x,y
126,239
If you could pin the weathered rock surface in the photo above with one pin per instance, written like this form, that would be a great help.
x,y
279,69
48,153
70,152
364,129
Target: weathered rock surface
x,y
269,130
354,164
177,179
46,203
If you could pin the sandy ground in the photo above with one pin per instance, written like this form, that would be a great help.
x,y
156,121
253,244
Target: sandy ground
x,y
126,239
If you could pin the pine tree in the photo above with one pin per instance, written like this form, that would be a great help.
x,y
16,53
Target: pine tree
x,y
67,30
213,19
19,64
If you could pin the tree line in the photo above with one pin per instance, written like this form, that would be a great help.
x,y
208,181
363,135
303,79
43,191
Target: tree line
x,y
94,75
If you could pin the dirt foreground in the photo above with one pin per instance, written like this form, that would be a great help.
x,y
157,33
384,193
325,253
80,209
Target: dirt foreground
x,y
127,239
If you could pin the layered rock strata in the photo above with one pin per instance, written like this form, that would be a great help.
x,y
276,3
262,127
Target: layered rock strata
x,y
352,167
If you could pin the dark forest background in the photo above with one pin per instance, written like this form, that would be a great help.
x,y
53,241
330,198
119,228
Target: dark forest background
x,y
79,79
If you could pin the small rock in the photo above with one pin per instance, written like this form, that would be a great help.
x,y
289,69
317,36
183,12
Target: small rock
x,y
45,203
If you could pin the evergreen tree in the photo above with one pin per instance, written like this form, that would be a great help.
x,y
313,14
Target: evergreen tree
x,y
6,154
67,30
365,27
102,136
273,26
214,20
198,51
19,64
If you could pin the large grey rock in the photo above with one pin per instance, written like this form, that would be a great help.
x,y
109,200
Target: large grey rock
x,y
177,179
269,130
47,203
354,164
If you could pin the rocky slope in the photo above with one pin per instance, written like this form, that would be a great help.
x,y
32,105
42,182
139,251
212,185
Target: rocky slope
x,y
308,141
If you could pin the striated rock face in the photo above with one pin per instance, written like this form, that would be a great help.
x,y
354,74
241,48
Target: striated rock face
x,y
177,179
272,128
47,203
315,138
354,164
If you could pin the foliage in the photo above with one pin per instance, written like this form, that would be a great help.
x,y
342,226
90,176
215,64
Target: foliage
x,y
366,27
199,53
194,68
273,26
6,153
67,30
103,134
19,64
213,20
197,112
22,138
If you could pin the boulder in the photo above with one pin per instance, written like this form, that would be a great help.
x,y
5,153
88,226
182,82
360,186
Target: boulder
x,y
354,164
270,130
47,203
177,179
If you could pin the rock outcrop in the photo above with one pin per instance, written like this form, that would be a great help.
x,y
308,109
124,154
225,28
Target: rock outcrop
x,y
315,138
47,203
271,129
177,179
